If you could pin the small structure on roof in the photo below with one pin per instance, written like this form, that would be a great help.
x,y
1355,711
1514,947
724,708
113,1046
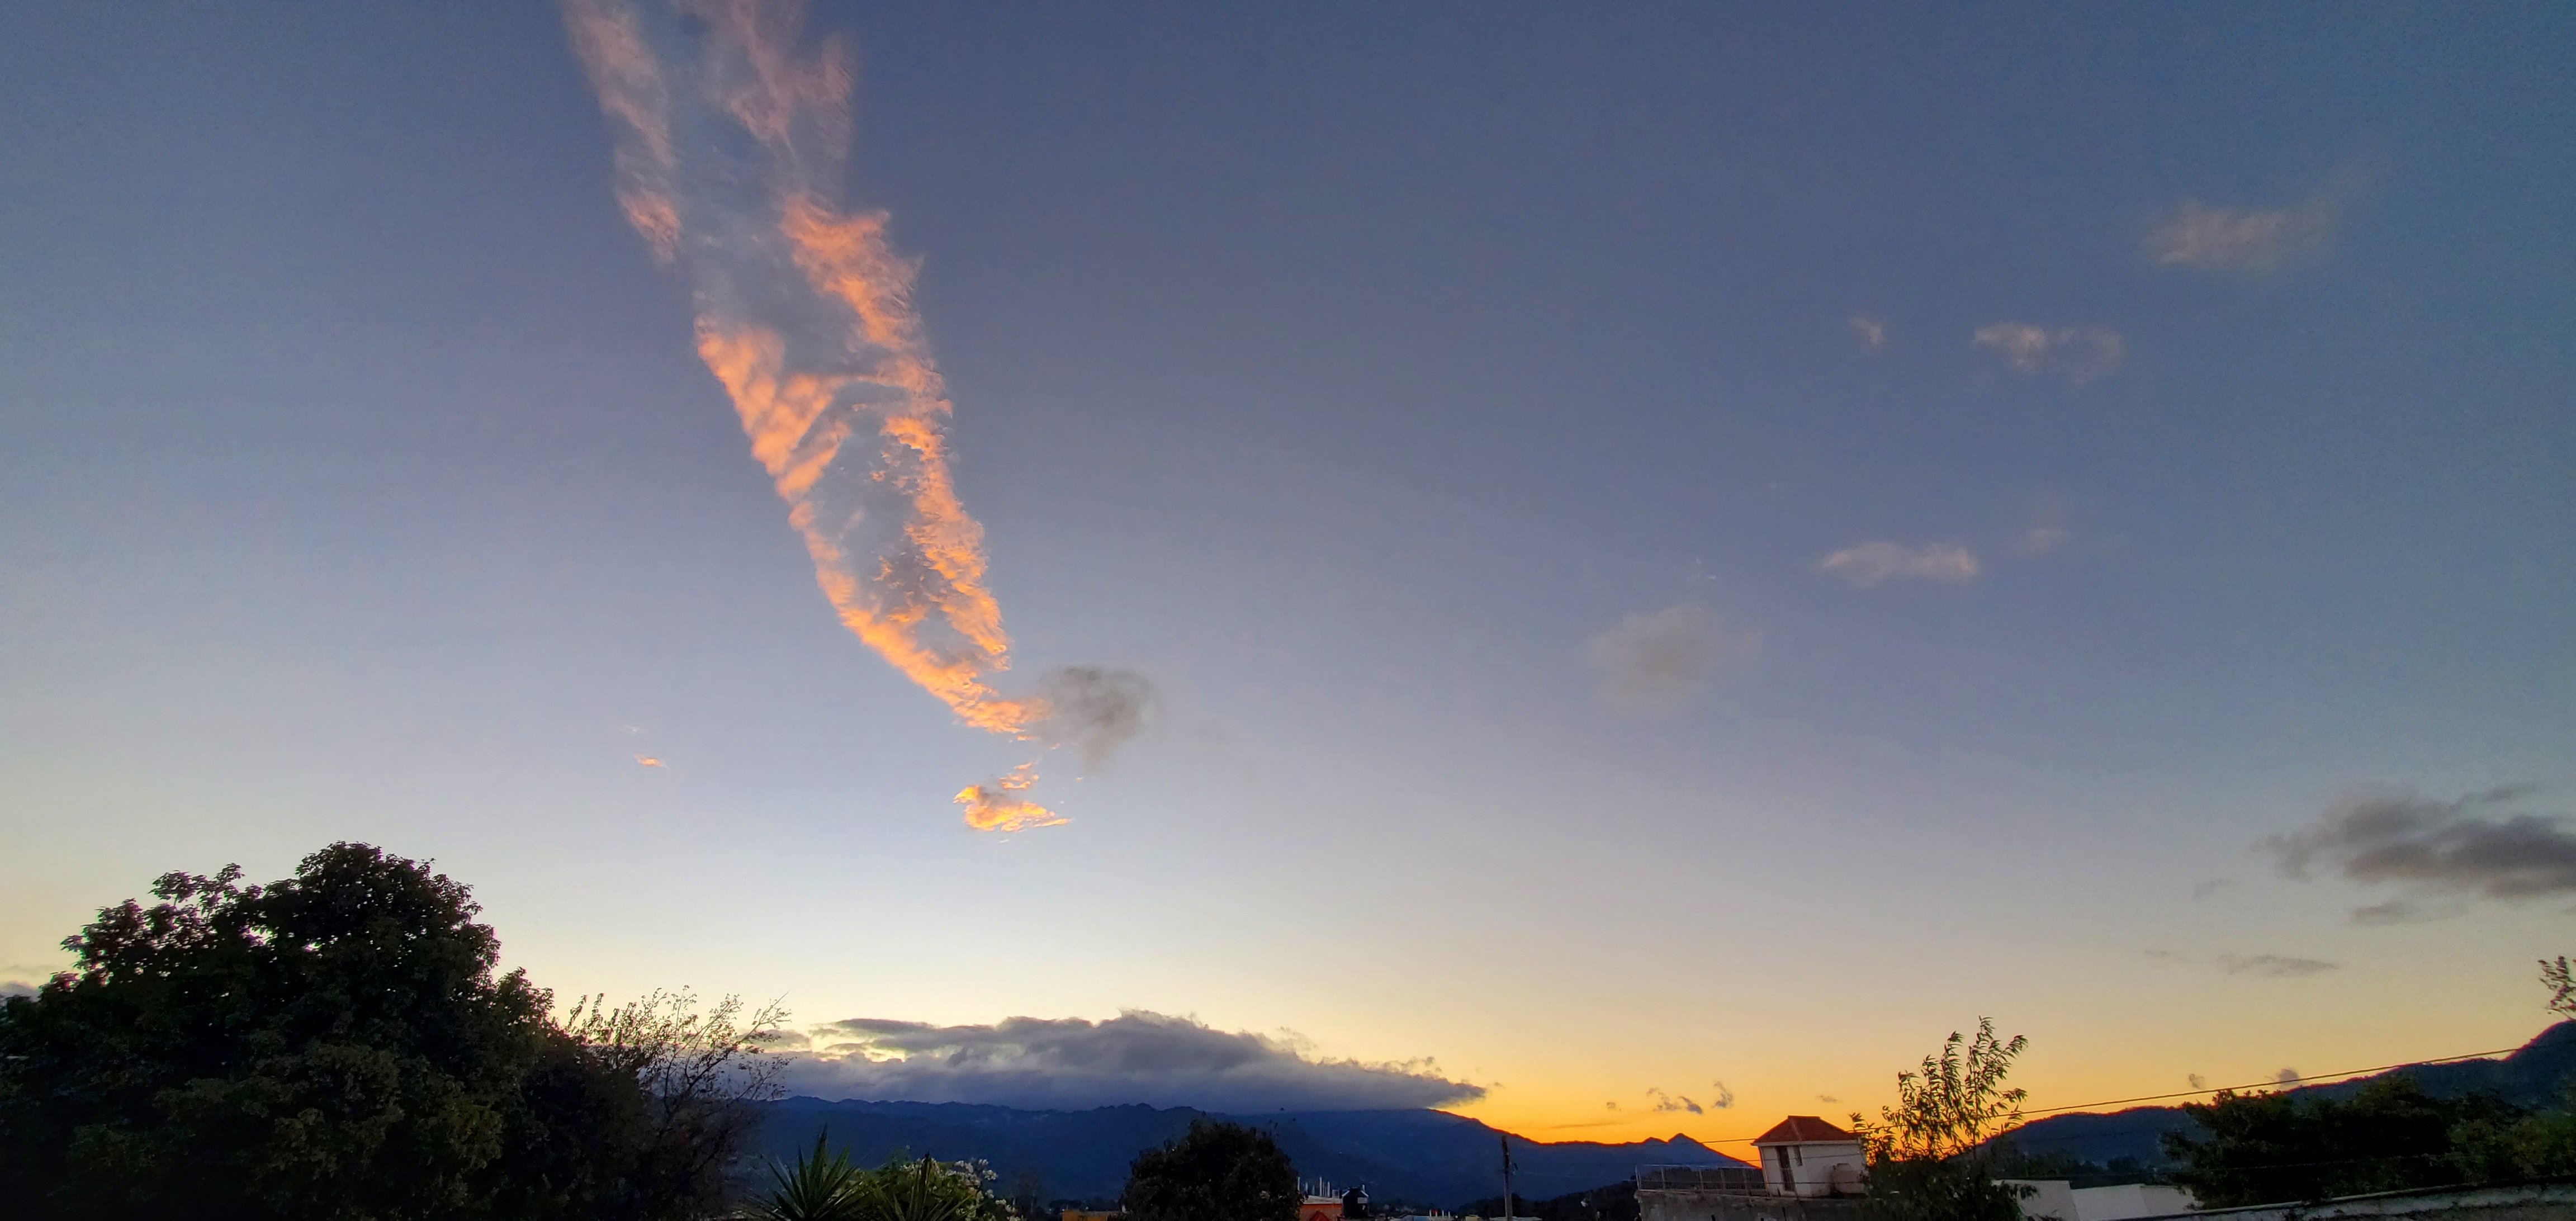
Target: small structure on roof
x,y
1807,1157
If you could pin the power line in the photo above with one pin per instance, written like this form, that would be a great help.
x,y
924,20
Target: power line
x,y
2278,1081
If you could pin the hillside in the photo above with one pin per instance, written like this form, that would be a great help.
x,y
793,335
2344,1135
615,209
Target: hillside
x,y
1427,1157
2531,1076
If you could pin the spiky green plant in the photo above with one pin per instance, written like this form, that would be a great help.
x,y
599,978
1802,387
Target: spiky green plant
x,y
820,1186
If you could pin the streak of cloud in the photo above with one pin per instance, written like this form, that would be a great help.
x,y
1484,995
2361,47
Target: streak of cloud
x,y
1725,1097
805,315
996,804
1136,1057
2443,846
1872,330
2276,966
2254,241
1668,1103
650,761
2245,240
1656,664
1870,563
2079,353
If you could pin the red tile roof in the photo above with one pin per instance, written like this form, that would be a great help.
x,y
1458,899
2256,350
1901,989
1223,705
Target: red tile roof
x,y
1798,1129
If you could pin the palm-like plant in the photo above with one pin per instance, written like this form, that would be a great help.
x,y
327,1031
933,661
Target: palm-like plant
x,y
820,1186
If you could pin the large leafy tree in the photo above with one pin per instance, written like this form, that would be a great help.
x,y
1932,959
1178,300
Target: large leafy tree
x,y
1931,1156
1216,1171
333,1044
2279,1148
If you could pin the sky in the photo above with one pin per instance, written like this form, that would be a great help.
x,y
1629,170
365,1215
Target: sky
x,y
1615,571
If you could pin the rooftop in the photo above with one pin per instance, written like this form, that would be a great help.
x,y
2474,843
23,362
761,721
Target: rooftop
x,y
1803,1129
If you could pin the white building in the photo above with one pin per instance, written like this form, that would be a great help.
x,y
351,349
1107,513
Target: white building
x,y
1805,1156
2058,1200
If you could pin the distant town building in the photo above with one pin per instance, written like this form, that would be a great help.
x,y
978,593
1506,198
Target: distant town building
x,y
1084,1214
1806,1157
1321,1203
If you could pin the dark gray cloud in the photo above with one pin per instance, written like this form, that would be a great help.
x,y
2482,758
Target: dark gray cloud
x,y
1094,709
2436,845
2276,965
1071,1063
23,981
1656,664
1725,1096
1667,1102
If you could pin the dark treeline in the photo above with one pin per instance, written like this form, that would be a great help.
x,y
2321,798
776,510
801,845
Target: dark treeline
x,y
337,1044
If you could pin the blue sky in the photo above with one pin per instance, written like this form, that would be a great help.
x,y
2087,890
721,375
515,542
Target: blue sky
x,y
1350,372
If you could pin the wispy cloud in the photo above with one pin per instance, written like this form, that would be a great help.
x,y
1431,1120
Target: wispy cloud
x,y
1656,664
2437,845
2077,353
2275,965
2405,911
2252,241
2210,886
1666,1102
1870,563
1725,1096
650,761
2197,1081
2287,1076
1072,1063
1871,329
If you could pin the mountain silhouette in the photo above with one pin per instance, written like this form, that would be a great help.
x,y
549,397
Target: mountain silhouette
x,y
1413,1156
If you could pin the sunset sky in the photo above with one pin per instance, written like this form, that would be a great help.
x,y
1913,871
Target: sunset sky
x,y
1677,552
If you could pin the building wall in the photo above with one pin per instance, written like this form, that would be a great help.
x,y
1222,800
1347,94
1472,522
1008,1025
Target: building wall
x,y
1820,1169
1743,1206
2130,1200
2050,1198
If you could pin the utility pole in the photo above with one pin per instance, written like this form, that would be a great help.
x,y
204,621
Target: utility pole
x,y
1507,1176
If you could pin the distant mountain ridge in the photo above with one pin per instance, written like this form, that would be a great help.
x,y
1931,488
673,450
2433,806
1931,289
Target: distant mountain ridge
x,y
2531,1076
1418,1156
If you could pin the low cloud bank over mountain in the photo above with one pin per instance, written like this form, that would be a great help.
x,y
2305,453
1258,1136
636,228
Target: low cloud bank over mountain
x,y
1071,1063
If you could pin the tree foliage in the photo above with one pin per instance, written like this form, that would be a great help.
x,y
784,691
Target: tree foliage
x,y
2268,1148
1214,1172
1930,1155
338,1044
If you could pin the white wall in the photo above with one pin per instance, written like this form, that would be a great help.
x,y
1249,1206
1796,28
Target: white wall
x,y
2131,1200
1813,1167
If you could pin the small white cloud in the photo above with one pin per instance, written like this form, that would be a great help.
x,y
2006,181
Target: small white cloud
x,y
1872,330
1656,664
2077,353
2252,241
1870,563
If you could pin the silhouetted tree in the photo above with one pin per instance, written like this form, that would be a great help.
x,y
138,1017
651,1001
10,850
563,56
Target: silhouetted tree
x,y
1931,1155
2279,1148
337,1044
1214,1172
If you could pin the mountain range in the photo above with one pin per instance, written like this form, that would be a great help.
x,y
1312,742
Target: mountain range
x,y
1435,1158
1415,1156
2532,1076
